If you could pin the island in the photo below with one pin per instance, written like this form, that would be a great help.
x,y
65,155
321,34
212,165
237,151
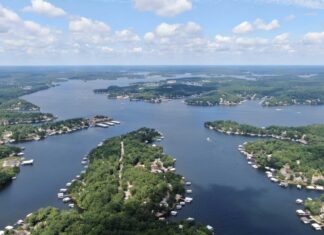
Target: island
x,y
129,187
289,155
29,132
281,90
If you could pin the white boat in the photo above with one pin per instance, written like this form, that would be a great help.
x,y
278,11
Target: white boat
x,y
188,183
299,186
208,139
316,226
210,228
71,205
188,191
178,207
275,180
300,212
66,199
20,154
190,219
63,190
174,213
68,184
9,227
182,203
102,125
310,187
60,195
188,199
299,201
84,162
116,122
27,162
20,222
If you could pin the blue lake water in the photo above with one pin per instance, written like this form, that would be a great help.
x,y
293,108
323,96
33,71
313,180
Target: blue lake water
x,y
228,194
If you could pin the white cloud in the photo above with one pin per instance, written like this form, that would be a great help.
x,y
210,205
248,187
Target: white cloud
x,y
243,27
127,35
258,24
314,4
314,37
281,38
163,7
24,37
44,8
86,25
222,39
261,25
169,30
149,37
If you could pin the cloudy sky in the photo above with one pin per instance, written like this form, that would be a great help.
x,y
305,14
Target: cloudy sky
x,y
137,32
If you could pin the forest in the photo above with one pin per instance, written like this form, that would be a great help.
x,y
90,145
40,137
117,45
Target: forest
x,y
280,90
120,195
296,152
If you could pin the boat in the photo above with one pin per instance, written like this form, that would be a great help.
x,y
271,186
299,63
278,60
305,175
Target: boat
x,y
299,186
283,184
310,187
210,228
300,212
102,125
275,180
9,227
71,205
316,226
60,195
188,183
63,190
188,191
68,184
305,220
208,139
27,162
299,201
178,207
66,199
20,222
116,122
188,199
190,219
84,162
182,203
20,154
174,213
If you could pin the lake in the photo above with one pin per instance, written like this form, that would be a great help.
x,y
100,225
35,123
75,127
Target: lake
x,y
228,193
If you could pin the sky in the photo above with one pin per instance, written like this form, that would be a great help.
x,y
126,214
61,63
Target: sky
x,y
161,32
